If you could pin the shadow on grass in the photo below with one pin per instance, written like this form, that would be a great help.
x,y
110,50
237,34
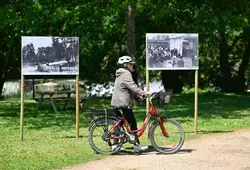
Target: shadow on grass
x,y
151,150
210,106
215,131
73,137
45,117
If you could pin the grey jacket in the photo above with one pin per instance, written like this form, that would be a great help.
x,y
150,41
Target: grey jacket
x,y
125,89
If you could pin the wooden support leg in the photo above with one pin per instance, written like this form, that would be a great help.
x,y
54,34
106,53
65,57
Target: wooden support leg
x,y
40,101
52,103
66,101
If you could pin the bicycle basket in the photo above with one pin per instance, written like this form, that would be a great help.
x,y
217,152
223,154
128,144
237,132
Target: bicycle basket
x,y
164,97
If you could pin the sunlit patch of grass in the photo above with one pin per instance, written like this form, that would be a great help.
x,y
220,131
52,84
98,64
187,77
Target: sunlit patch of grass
x,y
49,137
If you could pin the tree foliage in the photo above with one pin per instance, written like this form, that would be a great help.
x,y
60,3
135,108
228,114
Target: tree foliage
x,y
109,29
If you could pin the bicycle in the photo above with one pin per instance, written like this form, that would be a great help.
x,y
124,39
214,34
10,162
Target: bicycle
x,y
115,130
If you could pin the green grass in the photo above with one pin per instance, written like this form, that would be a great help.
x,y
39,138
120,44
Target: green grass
x,y
49,138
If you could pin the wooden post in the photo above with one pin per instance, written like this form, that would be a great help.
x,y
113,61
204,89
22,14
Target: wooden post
x,y
196,103
22,107
147,89
147,100
77,106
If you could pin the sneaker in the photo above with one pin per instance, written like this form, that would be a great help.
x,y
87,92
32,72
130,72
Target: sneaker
x,y
114,147
140,147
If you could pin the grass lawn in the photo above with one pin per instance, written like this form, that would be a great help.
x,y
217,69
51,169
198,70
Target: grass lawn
x,y
49,138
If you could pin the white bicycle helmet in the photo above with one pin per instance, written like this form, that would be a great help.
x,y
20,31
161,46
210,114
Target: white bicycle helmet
x,y
125,60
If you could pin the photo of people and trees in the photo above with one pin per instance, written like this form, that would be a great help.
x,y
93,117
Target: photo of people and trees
x,y
172,51
49,55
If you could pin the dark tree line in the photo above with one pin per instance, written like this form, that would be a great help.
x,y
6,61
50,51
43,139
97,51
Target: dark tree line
x,y
109,29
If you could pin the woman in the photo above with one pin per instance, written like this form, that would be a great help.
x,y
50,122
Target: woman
x,y
125,90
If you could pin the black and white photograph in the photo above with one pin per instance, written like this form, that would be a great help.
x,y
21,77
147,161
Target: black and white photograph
x,y
43,55
172,51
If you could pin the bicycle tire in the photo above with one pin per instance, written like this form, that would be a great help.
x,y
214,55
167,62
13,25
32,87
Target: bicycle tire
x,y
174,130
104,123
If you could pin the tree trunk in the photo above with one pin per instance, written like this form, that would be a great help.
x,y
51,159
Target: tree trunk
x,y
130,30
1,88
2,72
130,37
172,79
225,82
240,85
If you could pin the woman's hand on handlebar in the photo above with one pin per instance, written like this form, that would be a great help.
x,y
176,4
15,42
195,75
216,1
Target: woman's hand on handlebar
x,y
147,94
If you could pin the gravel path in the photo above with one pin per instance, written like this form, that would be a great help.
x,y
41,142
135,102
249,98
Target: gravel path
x,y
228,151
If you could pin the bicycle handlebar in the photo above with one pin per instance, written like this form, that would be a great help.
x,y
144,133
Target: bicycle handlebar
x,y
155,94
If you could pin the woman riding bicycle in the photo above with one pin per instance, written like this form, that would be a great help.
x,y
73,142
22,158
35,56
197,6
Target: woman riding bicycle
x,y
125,90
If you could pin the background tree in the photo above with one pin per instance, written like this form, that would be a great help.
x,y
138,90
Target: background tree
x,y
226,23
103,28
29,55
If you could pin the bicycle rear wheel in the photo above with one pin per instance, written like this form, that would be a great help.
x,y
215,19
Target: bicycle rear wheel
x,y
101,139
166,136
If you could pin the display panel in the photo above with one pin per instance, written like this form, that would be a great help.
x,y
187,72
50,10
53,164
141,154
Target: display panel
x,y
172,51
50,55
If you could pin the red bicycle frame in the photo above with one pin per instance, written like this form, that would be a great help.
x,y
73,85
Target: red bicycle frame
x,y
152,112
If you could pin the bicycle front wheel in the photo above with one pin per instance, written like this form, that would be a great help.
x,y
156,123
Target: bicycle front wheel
x,y
166,135
102,140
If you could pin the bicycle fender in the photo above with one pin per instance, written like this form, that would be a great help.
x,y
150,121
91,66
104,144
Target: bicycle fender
x,y
154,123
